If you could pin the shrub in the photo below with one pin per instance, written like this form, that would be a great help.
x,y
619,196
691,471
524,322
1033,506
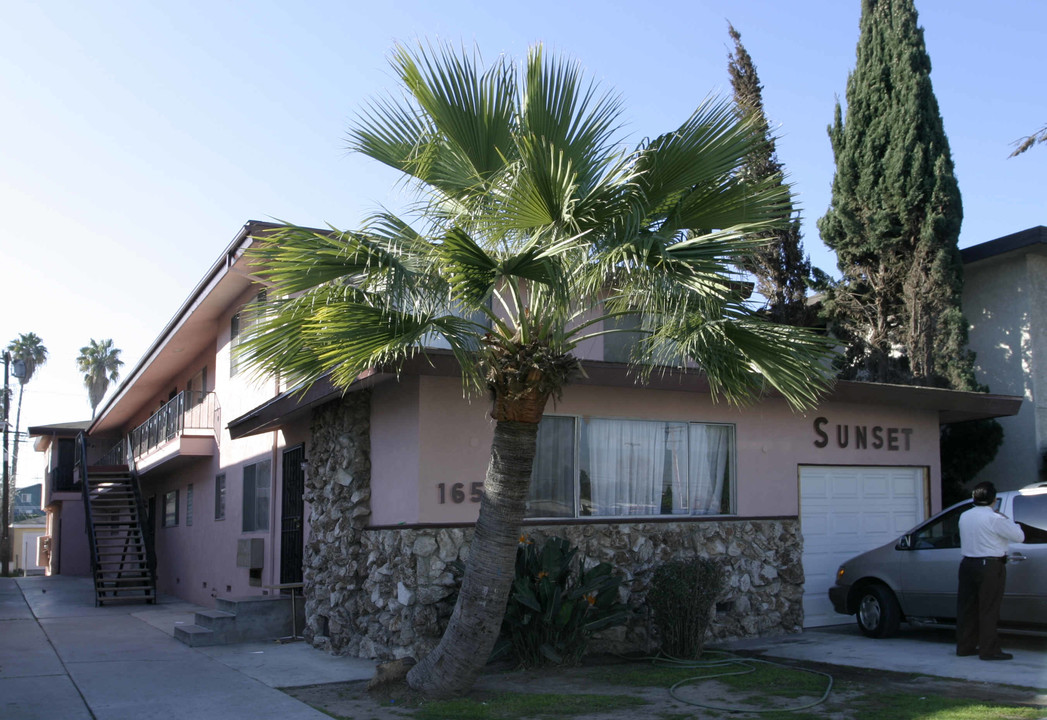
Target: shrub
x,y
556,605
681,598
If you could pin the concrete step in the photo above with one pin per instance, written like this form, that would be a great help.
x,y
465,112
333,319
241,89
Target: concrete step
x,y
243,620
194,635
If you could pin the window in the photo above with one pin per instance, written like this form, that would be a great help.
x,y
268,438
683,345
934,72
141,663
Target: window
x,y
594,467
171,509
238,327
196,388
943,533
1031,510
256,496
189,505
219,497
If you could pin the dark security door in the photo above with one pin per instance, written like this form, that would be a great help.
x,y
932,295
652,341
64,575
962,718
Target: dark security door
x,y
292,513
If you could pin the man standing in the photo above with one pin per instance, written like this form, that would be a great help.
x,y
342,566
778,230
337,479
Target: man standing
x,y
984,537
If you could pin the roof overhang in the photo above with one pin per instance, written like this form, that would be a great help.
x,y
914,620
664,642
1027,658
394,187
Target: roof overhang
x,y
951,405
44,434
1033,239
187,334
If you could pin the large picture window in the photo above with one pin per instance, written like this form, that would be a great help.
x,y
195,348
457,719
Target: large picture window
x,y
596,467
256,496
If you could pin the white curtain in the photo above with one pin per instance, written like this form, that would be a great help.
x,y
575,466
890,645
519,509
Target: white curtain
x,y
626,466
709,452
552,477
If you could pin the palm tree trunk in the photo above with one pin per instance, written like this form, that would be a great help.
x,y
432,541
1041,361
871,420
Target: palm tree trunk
x,y
474,626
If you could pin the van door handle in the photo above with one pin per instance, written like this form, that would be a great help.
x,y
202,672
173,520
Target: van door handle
x,y
1015,557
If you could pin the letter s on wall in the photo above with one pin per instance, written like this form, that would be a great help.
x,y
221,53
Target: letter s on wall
x,y
823,437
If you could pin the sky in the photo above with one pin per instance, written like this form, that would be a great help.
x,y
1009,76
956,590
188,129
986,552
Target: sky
x,y
138,136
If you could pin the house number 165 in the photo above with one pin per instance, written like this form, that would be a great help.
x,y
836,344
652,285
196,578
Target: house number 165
x,y
457,492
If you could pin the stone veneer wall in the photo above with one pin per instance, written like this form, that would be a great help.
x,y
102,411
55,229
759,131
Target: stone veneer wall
x,y
388,593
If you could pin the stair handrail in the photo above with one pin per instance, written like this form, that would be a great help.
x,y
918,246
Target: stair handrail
x,y
80,469
144,524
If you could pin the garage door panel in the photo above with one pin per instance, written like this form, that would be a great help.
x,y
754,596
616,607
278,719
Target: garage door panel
x,y
845,511
844,487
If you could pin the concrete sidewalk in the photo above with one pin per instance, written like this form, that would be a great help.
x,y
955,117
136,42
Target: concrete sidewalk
x,y
61,658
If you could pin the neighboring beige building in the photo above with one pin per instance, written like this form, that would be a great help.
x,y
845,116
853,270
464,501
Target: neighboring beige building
x,y
1005,301
24,542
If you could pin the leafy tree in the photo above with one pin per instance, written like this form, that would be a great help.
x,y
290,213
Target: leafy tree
x,y
781,268
535,230
100,363
894,222
29,348
895,213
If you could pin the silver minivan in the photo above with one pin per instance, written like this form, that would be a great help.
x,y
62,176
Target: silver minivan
x,y
915,578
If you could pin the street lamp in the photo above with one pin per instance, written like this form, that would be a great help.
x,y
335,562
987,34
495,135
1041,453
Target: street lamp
x,y
17,368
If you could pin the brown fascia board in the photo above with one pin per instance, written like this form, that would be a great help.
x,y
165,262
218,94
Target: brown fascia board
x,y
1034,237
69,429
221,266
951,405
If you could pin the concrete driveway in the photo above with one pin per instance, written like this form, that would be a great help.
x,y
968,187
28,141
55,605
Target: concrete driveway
x,y
919,650
61,658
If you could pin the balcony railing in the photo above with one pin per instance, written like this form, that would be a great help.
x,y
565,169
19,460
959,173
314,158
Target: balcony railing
x,y
189,410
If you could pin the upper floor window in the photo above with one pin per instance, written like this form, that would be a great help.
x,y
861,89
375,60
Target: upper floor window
x,y
240,323
596,467
196,388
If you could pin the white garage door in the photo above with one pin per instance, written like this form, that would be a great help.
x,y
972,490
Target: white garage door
x,y
845,511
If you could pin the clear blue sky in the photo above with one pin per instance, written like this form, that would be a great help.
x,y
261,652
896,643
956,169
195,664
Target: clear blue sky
x,y
137,137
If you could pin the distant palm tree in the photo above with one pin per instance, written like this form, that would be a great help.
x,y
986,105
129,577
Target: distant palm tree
x,y
100,363
29,348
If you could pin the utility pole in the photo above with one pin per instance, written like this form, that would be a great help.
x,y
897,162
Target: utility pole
x,y
5,539
5,534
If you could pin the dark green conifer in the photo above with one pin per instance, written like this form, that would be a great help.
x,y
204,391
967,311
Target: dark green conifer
x,y
895,213
782,270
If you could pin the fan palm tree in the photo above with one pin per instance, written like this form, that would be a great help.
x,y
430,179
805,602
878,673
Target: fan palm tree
x,y
29,348
100,363
535,229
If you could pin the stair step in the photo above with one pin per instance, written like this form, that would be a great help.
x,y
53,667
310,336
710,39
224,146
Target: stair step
x,y
194,635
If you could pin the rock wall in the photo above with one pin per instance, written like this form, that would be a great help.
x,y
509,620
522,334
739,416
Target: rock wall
x,y
388,593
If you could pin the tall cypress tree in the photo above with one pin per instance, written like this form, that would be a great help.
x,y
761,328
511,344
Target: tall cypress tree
x,y
895,213
782,270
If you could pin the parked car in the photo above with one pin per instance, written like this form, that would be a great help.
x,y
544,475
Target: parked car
x,y
915,578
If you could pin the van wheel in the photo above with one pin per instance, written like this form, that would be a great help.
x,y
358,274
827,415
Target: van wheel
x,y
878,612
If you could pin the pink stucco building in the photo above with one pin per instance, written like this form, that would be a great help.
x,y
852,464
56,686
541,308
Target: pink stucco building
x,y
367,496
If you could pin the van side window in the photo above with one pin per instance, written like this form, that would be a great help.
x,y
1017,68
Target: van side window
x,y
1031,511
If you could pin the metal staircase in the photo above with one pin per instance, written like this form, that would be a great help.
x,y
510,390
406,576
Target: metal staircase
x,y
122,559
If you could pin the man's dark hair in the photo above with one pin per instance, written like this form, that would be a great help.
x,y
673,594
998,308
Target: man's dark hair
x,y
984,493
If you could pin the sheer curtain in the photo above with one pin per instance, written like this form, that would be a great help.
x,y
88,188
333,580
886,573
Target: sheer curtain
x,y
552,477
626,466
709,452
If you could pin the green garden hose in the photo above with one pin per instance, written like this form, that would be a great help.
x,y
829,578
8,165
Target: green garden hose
x,y
734,665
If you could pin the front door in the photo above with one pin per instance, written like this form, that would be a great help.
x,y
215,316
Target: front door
x,y
292,512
